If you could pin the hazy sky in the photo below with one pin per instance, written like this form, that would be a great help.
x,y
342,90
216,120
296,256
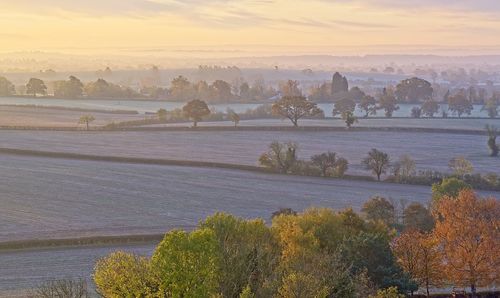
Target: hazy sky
x,y
318,25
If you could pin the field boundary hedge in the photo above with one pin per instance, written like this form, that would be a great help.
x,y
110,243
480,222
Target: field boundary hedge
x,y
255,128
79,242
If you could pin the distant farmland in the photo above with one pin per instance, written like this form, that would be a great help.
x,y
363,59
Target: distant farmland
x,y
430,150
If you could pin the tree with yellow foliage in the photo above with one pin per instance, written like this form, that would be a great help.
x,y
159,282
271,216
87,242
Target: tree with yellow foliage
x,y
468,233
418,254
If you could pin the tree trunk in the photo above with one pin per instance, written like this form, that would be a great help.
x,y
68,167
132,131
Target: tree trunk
x,y
427,288
378,176
473,290
87,125
195,124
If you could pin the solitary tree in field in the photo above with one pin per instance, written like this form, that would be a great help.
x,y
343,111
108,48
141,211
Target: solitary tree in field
x,y
294,108
196,110
467,230
377,161
233,116
492,140
349,119
86,119
36,86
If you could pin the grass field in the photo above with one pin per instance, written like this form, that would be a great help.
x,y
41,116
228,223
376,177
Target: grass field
x,y
430,150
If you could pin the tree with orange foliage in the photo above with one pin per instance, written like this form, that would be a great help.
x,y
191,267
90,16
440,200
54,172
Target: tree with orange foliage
x,y
417,253
468,233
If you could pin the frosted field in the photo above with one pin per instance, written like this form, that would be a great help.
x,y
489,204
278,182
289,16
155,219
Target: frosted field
x,y
430,150
450,123
47,117
151,106
23,270
55,198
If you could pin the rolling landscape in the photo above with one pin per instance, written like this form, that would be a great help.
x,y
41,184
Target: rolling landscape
x,y
285,149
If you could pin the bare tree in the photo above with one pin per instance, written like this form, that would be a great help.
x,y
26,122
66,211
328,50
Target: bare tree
x,y
64,288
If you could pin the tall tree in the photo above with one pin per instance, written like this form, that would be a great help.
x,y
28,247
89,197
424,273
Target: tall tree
x,y
123,274
492,140
343,105
430,107
449,187
414,90
6,87
330,164
388,102
339,84
294,108
290,88
467,230
280,157
419,255
379,209
491,106
368,105
460,166
459,104
196,110
36,86
86,119
187,263
377,161
181,89
417,217
73,88
249,253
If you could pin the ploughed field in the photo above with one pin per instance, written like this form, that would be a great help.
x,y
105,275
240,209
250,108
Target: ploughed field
x,y
58,198
21,271
431,151
449,123
27,116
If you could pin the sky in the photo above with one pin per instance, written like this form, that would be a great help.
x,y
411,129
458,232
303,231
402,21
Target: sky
x,y
312,26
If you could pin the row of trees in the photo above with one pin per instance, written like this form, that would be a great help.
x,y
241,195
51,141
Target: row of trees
x,y
319,253
71,88
283,158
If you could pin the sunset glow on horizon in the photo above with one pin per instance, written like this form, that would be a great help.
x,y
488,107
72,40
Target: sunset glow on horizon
x,y
58,25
